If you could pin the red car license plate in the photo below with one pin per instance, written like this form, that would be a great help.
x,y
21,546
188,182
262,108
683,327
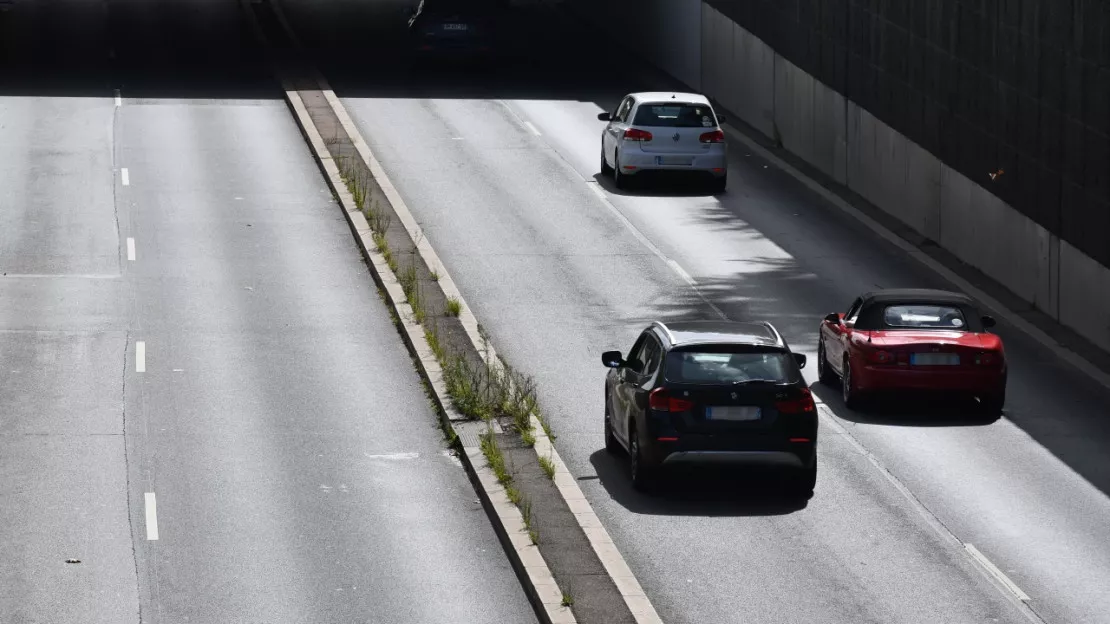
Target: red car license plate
x,y
935,359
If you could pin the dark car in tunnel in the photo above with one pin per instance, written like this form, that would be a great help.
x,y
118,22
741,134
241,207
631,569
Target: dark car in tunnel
x,y
457,30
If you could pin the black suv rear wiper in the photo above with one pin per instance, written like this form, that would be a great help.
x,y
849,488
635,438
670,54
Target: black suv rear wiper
x,y
741,382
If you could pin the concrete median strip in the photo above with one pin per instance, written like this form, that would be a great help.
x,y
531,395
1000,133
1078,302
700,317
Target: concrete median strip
x,y
526,556
609,592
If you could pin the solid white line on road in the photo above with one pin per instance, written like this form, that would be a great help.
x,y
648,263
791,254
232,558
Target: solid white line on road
x,y
533,128
131,249
998,574
151,517
119,98
140,357
393,456
126,177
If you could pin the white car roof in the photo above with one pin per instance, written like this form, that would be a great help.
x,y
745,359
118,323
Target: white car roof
x,y
663,96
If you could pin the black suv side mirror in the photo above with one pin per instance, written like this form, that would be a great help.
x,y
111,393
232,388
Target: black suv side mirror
x,y
988,321
800,358
612,359
833,318
604,117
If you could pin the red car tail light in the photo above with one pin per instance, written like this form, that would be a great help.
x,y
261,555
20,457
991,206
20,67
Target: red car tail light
x,y
660,401
880,357
803,405
632,134
987,358
712,137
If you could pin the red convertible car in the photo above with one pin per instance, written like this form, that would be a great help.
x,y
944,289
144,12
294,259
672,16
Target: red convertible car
x,y
913,340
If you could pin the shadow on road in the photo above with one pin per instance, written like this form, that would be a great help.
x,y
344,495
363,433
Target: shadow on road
x,y
699,492
906,411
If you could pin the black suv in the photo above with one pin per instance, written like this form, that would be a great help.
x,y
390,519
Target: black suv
x,y
457,29
710,392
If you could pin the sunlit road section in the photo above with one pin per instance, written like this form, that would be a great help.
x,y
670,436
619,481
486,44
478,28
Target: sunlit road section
x,y
921,515
206,414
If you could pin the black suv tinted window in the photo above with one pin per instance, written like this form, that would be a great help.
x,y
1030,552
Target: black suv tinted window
x,y
730,365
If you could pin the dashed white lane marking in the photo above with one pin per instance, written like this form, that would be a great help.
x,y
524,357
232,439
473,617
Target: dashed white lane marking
x,y
126,176
140,357
393,456
686,277
151,517
997,573
119,98
131,249
532,128
826,416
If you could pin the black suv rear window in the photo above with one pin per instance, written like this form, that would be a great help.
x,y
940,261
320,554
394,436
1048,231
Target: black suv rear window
x,y
675,115
714,366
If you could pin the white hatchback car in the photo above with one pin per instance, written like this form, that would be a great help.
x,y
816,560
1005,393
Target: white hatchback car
x,y
664,131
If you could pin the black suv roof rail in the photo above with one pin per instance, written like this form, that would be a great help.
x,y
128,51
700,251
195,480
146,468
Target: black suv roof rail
x,y
778,337
663,328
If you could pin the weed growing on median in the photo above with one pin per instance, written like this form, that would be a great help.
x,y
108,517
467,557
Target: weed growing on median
x,y
410,284
494,457
548,467
568,601
528,438
453,307
431,334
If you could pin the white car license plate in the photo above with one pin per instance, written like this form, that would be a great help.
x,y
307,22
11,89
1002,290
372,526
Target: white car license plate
x,y
732,412
935,359
674,160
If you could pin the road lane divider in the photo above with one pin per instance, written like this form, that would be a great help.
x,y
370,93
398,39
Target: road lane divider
x,y
125,177
151,517
119,99
140,357
415,285
997,573
1002,583
130,249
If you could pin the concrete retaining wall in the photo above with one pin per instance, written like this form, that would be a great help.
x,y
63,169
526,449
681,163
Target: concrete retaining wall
x,y
748,79
666,32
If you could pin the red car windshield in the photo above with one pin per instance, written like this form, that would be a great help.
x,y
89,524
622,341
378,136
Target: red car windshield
x,y
924,316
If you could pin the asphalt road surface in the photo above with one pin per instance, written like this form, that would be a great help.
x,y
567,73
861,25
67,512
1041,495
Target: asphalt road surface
x,y
501,169
203,399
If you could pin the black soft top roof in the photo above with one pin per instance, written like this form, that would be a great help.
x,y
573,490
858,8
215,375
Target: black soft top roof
x,y
916,295
871,313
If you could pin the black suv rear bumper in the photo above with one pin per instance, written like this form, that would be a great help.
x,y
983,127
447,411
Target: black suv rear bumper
x,y
740,451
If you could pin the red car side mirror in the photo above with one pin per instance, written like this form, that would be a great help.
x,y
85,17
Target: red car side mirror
x,y
833,318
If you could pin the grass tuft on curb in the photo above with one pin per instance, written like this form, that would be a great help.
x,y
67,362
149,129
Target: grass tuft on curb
x,y
454,307
548,467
